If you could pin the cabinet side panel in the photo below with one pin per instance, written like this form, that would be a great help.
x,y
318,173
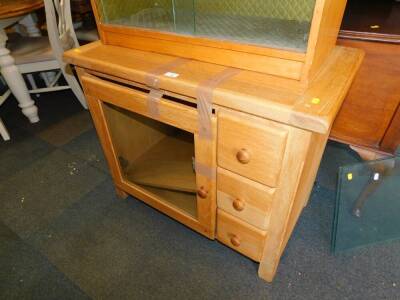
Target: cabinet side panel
x,y
306,182
293,164
95,8
325,27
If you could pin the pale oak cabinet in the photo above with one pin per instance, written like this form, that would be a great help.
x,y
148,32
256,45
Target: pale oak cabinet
x,y
220,130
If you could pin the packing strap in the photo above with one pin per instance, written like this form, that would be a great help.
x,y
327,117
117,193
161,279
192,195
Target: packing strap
x,y
153,77
152,80
153,100
205,93
206,171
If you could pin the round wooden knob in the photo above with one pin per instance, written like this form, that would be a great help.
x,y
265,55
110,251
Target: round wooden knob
x,y
202,192
235,241
243,156
238,204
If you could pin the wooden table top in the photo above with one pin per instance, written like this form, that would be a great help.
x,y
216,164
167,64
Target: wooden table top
x,y
276,98
15,8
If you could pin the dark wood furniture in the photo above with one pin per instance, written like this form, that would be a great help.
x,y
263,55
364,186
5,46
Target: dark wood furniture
x,y
15,8
370,115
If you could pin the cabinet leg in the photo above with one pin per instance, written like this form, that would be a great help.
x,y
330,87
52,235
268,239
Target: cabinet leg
x,y
3,131
267,269
367,154
121,194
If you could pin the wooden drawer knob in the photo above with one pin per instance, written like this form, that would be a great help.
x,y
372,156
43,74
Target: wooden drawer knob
x,y
238,204
202,192
235,241
243,156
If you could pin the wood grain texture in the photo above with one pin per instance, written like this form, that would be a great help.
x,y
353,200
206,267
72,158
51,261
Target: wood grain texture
x,y
205,42
186,202
180,116
97,113
373,99
292,166
167,164
267,96
177,115
240,236
132,136
206,155
306,182
268,130
281,62
96,14
242,60
325,26
256,199
263,141
391,140
15,8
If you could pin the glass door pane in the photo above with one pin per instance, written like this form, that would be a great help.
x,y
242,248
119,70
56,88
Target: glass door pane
x,y
368,204
163,15
273,23
154,156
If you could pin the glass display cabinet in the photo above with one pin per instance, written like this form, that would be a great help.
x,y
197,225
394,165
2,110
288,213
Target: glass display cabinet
x,y
286,38
204,110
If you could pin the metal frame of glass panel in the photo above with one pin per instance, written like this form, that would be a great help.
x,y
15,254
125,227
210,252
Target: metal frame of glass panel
x,y
367,207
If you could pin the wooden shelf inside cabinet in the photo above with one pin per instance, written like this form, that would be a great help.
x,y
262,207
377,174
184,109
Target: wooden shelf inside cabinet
x,y
181,200
167,165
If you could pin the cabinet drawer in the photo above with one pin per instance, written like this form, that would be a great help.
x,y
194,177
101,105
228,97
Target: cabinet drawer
x,y
244,198
240,236
251,146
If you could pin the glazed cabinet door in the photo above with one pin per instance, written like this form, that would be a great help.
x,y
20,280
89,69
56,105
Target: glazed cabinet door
x,y
154,150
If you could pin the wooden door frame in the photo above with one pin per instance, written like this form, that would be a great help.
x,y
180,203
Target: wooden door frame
x,y
97,92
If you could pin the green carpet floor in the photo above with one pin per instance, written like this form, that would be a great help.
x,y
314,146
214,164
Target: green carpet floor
x,y
65,235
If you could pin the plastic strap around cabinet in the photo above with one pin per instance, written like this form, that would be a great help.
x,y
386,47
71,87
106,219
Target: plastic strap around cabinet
x,y
205,92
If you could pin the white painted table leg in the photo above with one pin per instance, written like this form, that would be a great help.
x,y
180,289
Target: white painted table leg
x,y
3,131
30,24
15,81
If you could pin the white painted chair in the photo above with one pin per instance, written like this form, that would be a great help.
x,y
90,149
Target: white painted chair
x,y
62,37
41,54
87,35
3,130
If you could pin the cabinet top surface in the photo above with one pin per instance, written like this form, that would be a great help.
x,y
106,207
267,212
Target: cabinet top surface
x,y
283,100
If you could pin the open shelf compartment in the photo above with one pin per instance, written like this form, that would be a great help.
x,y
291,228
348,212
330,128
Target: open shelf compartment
x,y
154,156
